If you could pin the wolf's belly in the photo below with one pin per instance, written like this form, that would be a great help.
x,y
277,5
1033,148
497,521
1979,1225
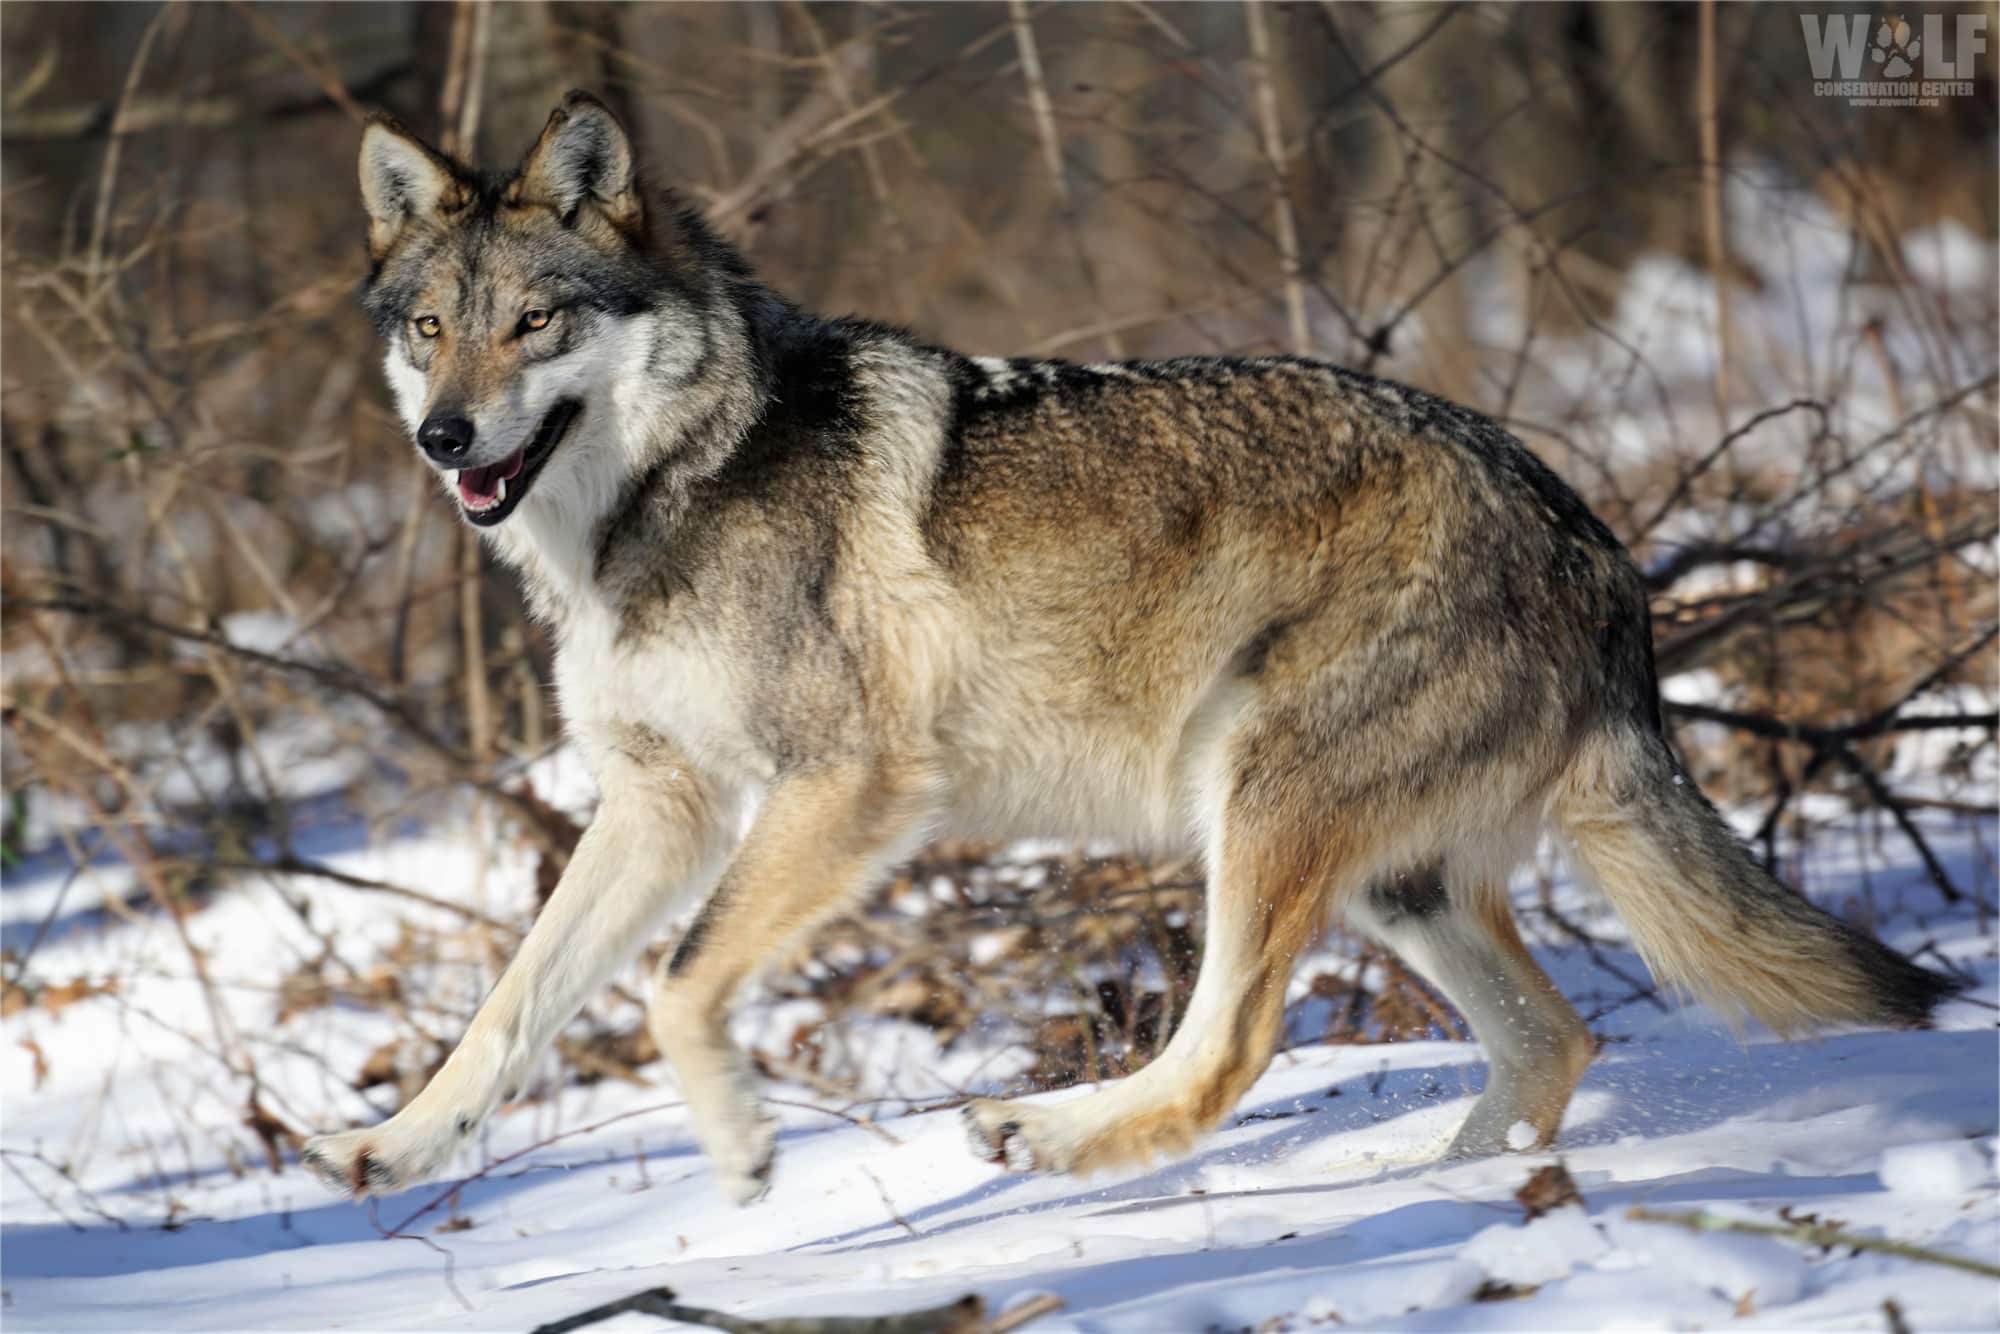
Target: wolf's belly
x,y
1028,764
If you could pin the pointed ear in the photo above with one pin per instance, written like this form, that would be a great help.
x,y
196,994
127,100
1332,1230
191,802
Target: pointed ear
x,y
583,157
402,178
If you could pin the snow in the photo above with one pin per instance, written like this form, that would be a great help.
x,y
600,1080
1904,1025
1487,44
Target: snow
x,y
1946,1170
1540,1251
1733,1267
131,1202
259,631
1948,257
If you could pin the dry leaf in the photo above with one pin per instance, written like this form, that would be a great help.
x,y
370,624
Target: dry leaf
x,y
57,998
301,991
381,1067
1547,1189
272,1133
34,1049
1497,1290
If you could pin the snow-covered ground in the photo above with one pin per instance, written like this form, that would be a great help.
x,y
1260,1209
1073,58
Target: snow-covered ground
x,y
135,1199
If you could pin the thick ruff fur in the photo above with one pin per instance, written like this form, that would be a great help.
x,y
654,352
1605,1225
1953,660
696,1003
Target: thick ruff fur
x,y
821,580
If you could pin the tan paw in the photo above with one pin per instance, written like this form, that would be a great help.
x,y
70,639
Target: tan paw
x,y
375,1160
743,1161
1009,1134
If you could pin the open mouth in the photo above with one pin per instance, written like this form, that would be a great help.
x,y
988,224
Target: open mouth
x,y
489,494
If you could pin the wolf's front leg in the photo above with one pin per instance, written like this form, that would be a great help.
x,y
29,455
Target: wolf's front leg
x,y
657,835
821,835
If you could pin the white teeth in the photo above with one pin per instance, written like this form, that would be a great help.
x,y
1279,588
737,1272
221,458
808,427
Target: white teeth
x,y
497,499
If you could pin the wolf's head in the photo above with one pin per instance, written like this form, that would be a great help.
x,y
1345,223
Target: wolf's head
x,y
547,338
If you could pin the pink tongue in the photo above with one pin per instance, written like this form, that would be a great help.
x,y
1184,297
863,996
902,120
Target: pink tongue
x,y
480,485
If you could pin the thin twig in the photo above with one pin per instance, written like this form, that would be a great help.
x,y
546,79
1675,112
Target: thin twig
x,y
1879,791
1043,107
863,1123
1711,203
1814,1234
1039,101
403,1227
107,176
328,81
296,865
895,1214
1702,465
1271,135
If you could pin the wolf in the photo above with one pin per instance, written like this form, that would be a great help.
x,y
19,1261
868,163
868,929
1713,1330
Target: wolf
x,y
822,591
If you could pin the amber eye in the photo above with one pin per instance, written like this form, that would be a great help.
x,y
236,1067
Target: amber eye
x,y
534,319
428,326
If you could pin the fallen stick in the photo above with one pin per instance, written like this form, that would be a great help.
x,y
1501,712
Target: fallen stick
x,y
967,1315
1016,1316
1816,1234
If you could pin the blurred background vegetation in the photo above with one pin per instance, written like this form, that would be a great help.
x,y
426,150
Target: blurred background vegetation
x,y
1753,325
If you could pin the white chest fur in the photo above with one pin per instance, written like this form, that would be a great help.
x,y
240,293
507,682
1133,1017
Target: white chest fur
x,y
678,686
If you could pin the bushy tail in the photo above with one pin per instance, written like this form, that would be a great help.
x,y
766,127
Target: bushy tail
x,y
1707,918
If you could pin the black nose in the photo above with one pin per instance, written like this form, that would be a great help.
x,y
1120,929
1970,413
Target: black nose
x,y
445,437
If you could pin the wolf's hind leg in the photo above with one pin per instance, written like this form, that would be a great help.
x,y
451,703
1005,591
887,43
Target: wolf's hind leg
x,y
1461,937
1274,857
819,838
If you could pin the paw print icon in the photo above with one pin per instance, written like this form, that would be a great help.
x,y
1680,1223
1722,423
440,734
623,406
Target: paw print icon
x,y
1896,48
